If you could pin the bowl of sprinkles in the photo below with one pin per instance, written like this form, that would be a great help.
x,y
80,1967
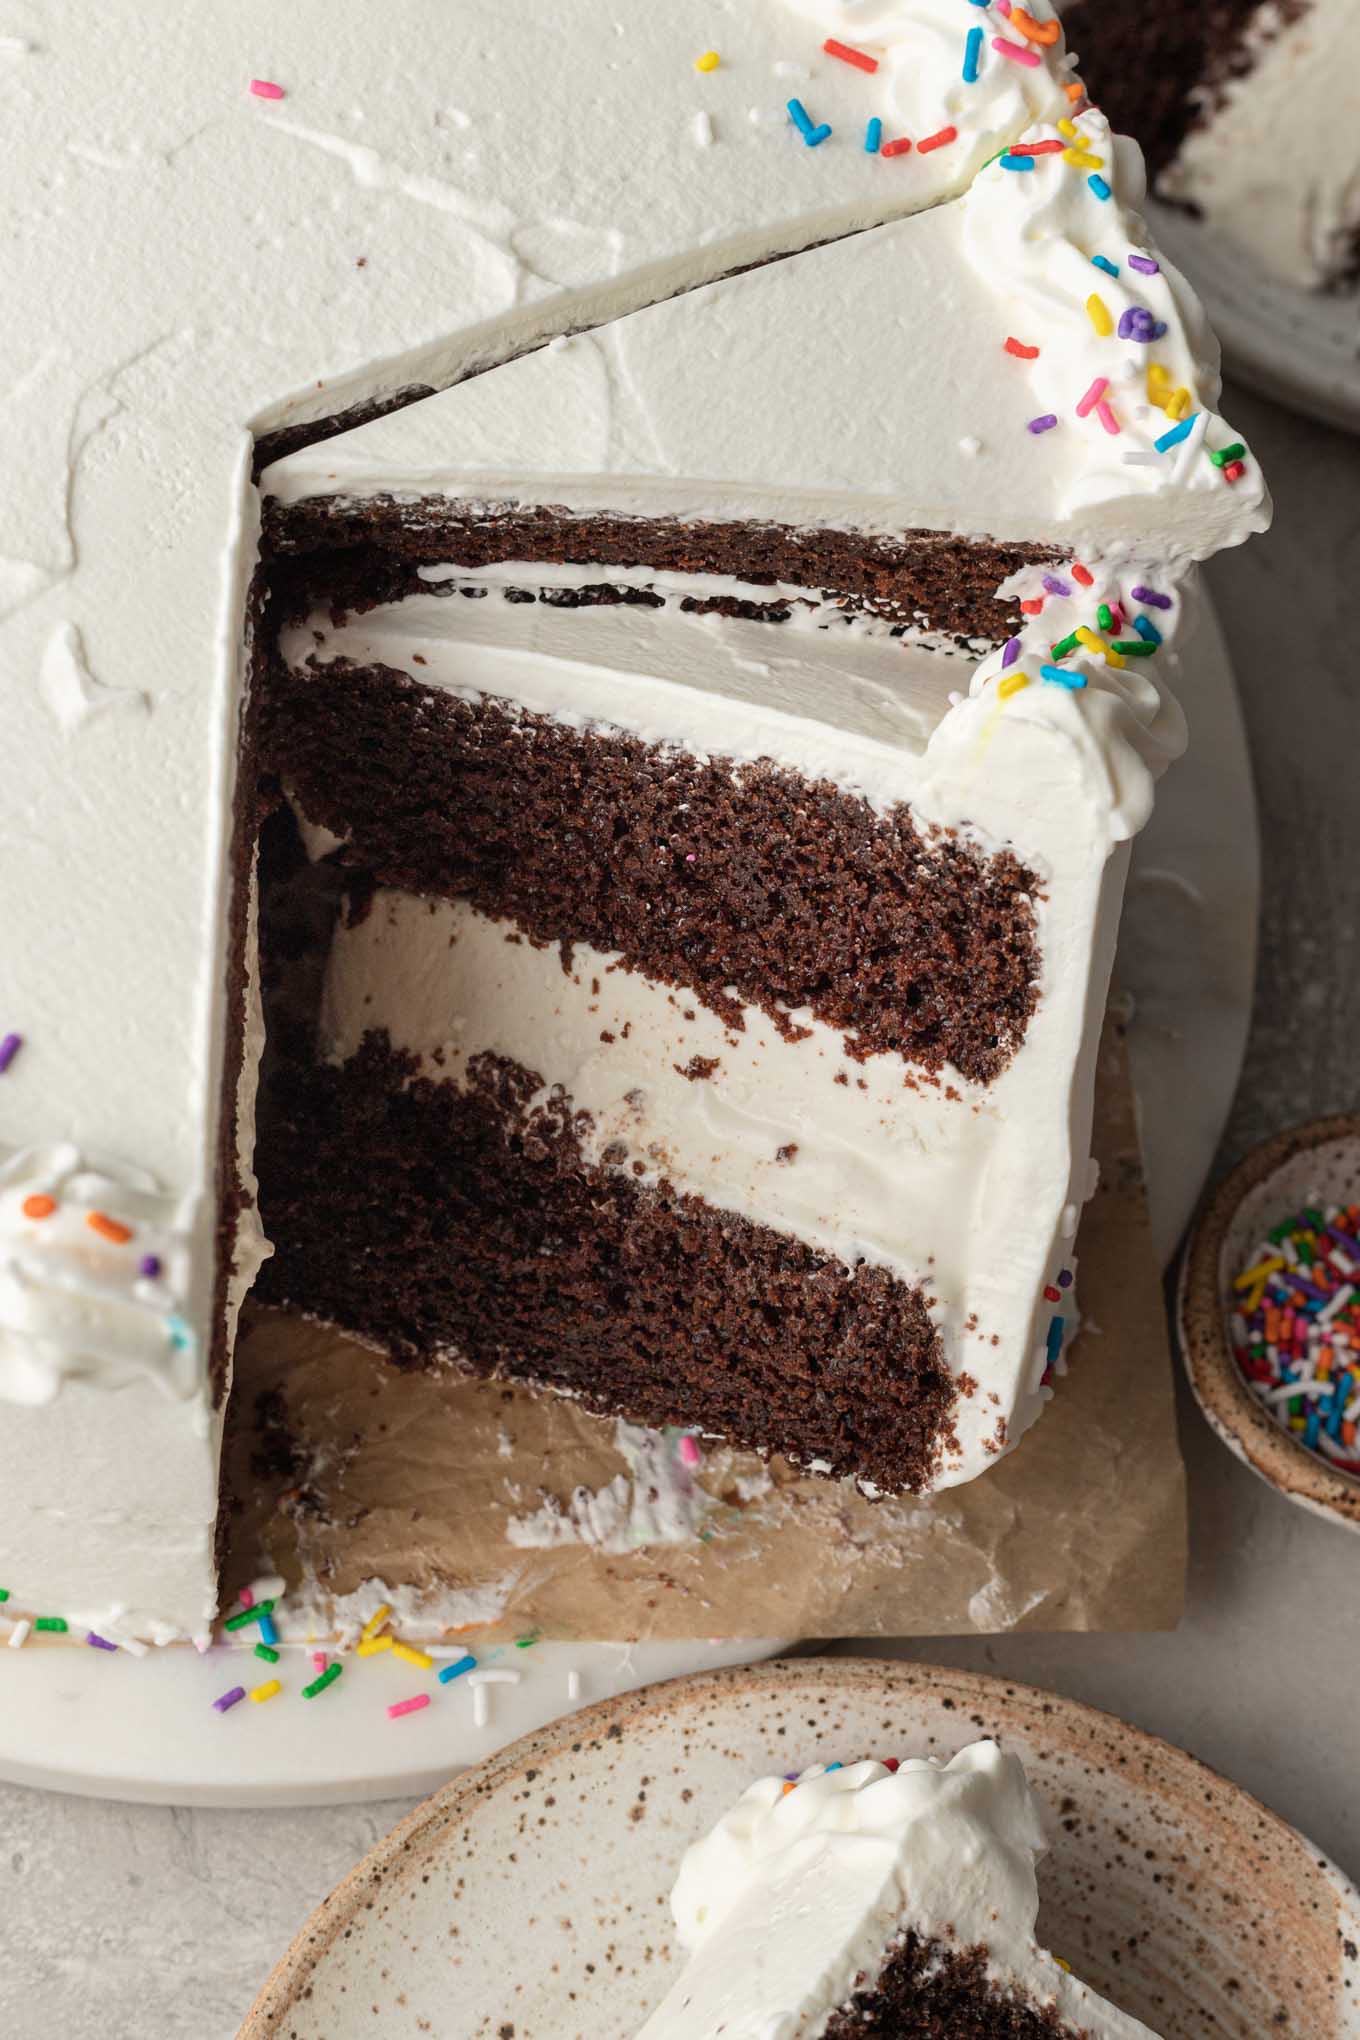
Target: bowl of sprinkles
x,y
1269,1311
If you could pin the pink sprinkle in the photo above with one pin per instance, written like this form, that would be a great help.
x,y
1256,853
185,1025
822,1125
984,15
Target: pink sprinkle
x,y
411,1706
1093,396
265,88
318,1662
1014,51
689,1450
1004,7
1107,417
1116,617
247,1598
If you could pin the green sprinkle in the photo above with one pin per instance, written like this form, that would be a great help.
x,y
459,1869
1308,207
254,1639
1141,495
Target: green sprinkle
x,y
4,1593
1134,648
1227,453
1105,617
246,1615
264,1650
326,1678
57,1624
1069,644
525,1642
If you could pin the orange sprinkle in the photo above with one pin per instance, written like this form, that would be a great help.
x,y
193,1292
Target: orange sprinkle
x,y
109,1228
1045,32
1074,91
38,1205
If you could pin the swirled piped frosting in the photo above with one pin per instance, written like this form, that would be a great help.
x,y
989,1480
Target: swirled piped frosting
x,y
795,1901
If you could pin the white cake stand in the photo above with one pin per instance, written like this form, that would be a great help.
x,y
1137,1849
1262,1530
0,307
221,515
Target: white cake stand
x,y
116,1727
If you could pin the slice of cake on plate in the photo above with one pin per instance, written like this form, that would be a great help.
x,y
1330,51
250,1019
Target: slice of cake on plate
x,y
781,655
875,1900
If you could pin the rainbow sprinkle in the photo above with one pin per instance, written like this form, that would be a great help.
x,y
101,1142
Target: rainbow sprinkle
x,y
1016,52
873,136
1014,162
972,54
1044,423
709,61
267,1691
323,1679
225,1701
802,120
396,1708
9,1048
1296,1329
456,1670
265,88
1176,434
859,58
939,140
1099,186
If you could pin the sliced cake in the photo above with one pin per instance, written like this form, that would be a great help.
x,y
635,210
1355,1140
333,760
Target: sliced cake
x,y
884,1901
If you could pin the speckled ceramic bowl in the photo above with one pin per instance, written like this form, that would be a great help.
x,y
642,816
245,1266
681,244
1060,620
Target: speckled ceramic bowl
x,y
1320,1160
528,1898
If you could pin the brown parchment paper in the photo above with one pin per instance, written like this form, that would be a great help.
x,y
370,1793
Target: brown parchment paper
x,y
340,1470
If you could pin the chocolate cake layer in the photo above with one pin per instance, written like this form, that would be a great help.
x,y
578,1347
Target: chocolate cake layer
x,y
464,1223
927,1991
931,578
702,873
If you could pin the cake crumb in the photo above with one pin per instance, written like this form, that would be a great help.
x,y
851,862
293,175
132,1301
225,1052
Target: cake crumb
x,y
698,1069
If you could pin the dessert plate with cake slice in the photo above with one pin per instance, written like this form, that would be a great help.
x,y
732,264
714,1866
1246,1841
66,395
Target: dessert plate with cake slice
x,y
805,1850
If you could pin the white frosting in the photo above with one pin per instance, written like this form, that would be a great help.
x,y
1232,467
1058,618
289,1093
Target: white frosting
x,y
792,1902
197,264
716,406
961,1187
1273,161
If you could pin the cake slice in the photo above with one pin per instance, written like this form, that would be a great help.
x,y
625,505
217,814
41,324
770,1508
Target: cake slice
x,y
704,1019
1249,112
879,1901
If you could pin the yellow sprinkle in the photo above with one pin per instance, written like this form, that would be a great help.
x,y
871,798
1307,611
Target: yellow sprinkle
x,y
1251,1276
266,1691
1082,159
1254,1301
369,1646
1087,637
1011,683
374,1622
707,62
1062,1964
1158,379
1098,312
1177,404
411,1656
1070,129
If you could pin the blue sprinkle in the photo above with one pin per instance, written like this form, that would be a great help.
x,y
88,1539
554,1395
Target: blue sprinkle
x,y
837,1766
1337,1407
455,1670
1176,434
1313,1424
800,117
1055,1336
1017,162
972,51
1098,185
1147,630
268,1633
873,136
1058,676
181,1338
818,134
1104,262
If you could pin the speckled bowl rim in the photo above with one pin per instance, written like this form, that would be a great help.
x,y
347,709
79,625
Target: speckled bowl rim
x,y
1121,1746
1206,1349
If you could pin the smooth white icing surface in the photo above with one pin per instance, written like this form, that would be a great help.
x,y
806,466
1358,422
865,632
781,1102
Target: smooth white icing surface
x,y
963,1187
1274,159
188,264
792,1901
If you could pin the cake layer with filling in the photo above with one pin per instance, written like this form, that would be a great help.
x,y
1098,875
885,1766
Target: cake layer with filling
x,y
878,1899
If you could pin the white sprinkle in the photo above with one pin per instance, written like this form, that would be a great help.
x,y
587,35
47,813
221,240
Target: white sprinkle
x,y
784,69
18,1636
954,697
703,130
970,446
481,1699
558,342
1334,1304
133,1645
270,1587
573,1684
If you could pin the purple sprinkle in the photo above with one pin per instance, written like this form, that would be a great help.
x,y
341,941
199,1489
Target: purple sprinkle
x,y
9,1048
1152,598
1011,653
97,1642
229,1699
1065,1279
1044,424
1055,586
150,1266
1144,264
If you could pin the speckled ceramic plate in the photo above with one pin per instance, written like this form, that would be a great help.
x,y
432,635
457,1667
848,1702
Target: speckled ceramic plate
x,y
527,1899
1321,1159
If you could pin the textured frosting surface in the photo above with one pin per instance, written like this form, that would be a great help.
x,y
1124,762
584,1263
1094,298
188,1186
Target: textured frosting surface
x,y
191,264
793,1900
